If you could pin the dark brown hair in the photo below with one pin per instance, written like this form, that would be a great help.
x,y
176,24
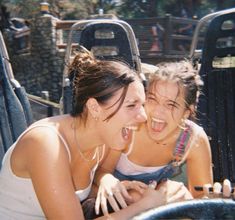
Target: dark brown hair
x,y
99,79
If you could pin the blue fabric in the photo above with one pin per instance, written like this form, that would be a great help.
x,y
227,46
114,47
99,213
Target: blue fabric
x,y
166,172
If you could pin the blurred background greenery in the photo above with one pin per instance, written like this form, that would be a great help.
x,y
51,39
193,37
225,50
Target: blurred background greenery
x,y
79,9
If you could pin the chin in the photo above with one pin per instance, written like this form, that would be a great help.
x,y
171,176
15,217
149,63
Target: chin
x,y
118,148
156,137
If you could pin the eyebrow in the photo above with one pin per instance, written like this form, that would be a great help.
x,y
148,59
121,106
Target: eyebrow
x,y
131,101
174,102
169,100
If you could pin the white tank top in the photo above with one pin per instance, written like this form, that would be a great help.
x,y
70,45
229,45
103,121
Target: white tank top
x,y
17,196
127,167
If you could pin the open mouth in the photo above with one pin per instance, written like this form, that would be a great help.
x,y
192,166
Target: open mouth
x,y
157,124
127,132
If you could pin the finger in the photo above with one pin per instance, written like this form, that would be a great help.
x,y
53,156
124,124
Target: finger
x,y
206,189
173,191
125,193
153,184
217,189
97,204
104,206
177,197
113,203
140,184
120,199
226,188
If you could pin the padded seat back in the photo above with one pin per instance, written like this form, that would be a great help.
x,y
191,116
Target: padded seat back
x,y
15,111
216,109
108,40
116,37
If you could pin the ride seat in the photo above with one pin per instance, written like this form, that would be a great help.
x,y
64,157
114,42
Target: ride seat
x,y
216,109
108,35
15,110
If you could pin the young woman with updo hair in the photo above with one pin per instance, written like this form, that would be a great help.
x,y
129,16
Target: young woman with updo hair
x,y
49,170
165,142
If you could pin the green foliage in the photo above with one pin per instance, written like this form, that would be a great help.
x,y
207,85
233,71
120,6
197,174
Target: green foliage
x,y
79,9
153,8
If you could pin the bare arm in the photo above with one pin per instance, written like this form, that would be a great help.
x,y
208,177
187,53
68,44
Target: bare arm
x,y
108,165
109,187
151,199
199,165
166,192
48,166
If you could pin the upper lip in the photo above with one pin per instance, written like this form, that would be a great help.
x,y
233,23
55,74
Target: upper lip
x,y
132,127
157,120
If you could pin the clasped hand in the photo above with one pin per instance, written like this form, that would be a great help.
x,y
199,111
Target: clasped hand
x,y
120,194
115,192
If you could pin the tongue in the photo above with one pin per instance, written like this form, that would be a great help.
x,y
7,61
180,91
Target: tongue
x,y
157,126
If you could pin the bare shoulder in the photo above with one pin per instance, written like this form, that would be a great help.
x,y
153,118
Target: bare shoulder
x,y
198,132
40,146
200,142
40,136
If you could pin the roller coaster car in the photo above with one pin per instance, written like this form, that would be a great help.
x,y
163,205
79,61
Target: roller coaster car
x,y
107,39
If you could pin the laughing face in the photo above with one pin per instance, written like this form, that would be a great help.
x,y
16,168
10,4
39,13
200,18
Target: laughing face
x,y
165,107
118,130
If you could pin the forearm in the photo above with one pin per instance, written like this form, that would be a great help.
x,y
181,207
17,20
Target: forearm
x,y
129,211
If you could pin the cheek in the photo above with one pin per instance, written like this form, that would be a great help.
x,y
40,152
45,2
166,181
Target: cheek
x,y
177,115
148,108
112,128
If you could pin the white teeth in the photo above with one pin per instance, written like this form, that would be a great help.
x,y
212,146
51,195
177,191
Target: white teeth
x,y
133,128
157,120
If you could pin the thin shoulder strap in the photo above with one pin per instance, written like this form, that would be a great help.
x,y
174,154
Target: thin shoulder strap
x,y
52,128
194,135
182,143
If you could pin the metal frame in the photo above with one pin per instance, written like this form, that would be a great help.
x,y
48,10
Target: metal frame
x,y
194,53
80,25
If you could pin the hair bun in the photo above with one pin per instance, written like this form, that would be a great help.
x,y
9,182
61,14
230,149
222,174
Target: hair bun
x,y
82,62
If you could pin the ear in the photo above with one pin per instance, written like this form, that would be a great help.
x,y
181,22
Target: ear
x,y
93,107
189,111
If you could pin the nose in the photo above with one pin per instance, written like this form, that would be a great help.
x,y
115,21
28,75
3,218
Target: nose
x,y
142,117
159,109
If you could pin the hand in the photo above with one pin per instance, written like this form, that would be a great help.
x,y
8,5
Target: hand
x,y
108,188
166,192
175,191
135,190
218,190
115,192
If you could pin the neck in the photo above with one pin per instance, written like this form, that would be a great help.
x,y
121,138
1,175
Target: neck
x,y
86,135
170,139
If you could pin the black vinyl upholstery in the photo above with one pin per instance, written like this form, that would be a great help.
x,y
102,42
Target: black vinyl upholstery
x,y
216,110
120,39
